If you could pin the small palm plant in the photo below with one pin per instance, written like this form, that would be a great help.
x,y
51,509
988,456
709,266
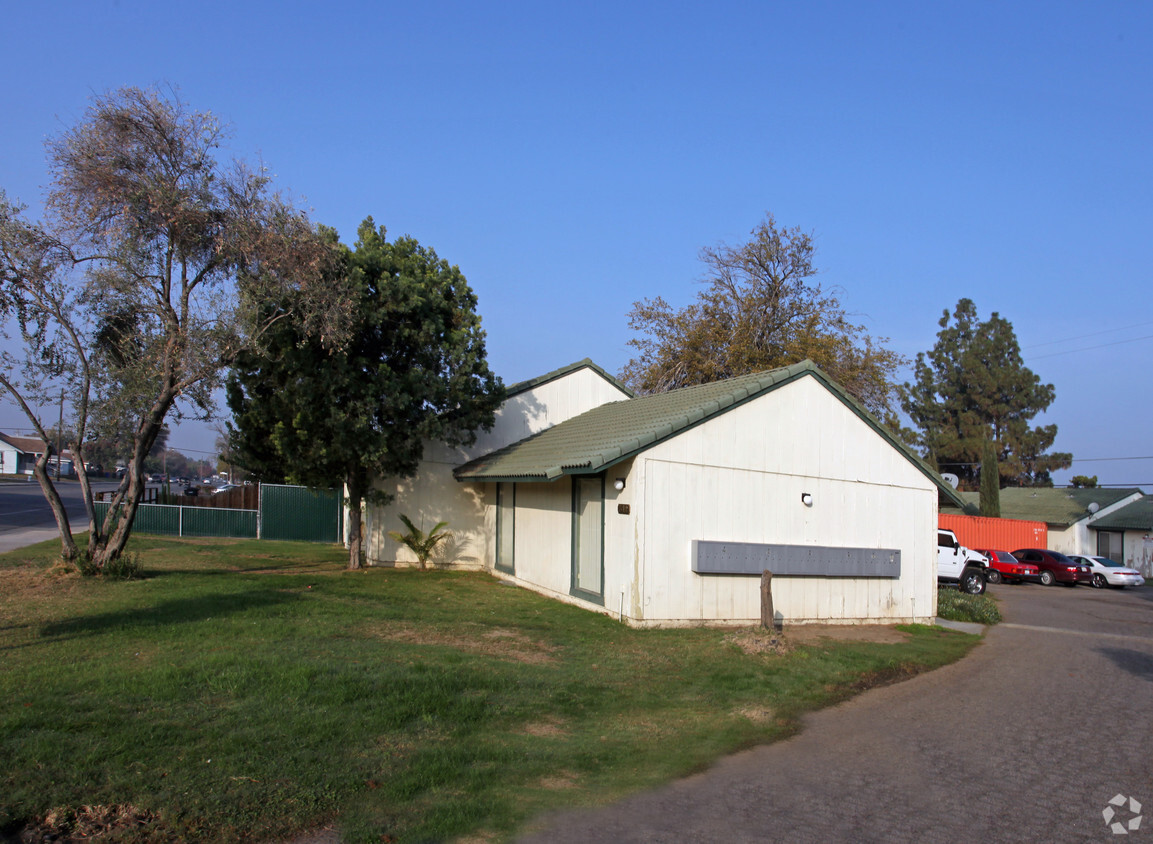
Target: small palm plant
x,y
420,543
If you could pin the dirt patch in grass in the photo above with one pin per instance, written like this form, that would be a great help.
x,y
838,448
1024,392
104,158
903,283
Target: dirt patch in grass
x,y
548,728
876,679
323,835
65,824
756,714
474,639
759,641
808,634
559,781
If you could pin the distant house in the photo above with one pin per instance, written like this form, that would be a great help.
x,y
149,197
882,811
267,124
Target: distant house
x,y
19,454
10,456
1126,535
1072,515
663,510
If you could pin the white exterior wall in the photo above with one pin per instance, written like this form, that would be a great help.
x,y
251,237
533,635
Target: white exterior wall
x,y
739,478
434,495
1071,540
1138,548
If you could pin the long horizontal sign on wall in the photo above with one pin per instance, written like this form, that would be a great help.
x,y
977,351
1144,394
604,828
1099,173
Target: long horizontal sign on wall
x,y
811,560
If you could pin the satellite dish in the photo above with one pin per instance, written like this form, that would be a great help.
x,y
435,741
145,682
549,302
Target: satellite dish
x,y
951,479
1093,507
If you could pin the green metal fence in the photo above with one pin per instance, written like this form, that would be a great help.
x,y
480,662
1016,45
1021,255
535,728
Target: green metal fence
x,y
296,512
174,520
286,512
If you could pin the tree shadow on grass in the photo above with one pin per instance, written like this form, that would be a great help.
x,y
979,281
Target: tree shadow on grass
x,y
1137,663
168,613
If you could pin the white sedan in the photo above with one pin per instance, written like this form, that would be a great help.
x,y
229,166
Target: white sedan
x,y
1106,572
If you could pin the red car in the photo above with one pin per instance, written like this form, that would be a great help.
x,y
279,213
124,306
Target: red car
x,y
1004,566
1055,566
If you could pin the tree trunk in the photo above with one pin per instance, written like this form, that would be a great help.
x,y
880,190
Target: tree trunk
x,y
117,537
355,528
77,450
68,549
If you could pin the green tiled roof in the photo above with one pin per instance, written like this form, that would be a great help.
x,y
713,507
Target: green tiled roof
x,y
1056,507
1135,516
522,386
613,432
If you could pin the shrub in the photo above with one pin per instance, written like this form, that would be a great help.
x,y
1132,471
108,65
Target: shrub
x,y
420,543
959,606
125,567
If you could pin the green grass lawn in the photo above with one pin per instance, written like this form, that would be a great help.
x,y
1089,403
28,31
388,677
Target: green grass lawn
x,y
247,691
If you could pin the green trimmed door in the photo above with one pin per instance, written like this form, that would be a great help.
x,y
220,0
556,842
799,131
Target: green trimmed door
x,y
588,538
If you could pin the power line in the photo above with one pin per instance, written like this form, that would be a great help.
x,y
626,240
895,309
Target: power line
x,y
1104,459
1086,336
1088,348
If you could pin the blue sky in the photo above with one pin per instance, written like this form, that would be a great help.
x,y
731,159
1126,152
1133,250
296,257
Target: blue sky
x,y
574,158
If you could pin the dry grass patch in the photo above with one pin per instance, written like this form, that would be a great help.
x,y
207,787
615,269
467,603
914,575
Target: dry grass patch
x,y
68,824
559,781
756,714
757,640
26,590
498,642
883,634
548,728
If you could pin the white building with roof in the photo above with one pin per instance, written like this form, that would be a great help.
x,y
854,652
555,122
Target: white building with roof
x,y
663,510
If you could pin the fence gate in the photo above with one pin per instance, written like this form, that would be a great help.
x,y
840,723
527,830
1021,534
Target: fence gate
x,y
296,512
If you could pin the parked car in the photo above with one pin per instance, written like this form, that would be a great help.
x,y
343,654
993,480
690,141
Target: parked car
x,y
958,564
192,489
1004,566
226,488
1055,567
1107,572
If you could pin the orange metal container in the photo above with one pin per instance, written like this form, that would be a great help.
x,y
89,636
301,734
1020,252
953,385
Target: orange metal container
x,y
984,533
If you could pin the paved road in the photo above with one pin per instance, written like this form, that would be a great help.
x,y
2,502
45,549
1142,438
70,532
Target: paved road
x,y
25,516
1026,739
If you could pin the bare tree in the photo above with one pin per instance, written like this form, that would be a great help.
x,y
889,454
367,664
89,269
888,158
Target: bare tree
x,y
168,260
39,304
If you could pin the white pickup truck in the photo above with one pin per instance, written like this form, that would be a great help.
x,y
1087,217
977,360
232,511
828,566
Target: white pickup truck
x,y
960,565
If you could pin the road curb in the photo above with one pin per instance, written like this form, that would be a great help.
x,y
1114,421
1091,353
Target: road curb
x,y
963,626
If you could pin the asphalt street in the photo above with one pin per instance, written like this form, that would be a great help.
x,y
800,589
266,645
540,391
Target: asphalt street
x,y
25,516
1027,739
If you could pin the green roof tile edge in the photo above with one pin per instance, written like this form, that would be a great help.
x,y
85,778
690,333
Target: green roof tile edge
x,y
525,386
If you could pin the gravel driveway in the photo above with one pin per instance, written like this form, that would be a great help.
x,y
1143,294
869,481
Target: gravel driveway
x,y
1026,739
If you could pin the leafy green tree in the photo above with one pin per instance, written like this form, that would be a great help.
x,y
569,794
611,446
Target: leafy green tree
x,y
147,278
972,387
413,370
760,309
1083,481
990,482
